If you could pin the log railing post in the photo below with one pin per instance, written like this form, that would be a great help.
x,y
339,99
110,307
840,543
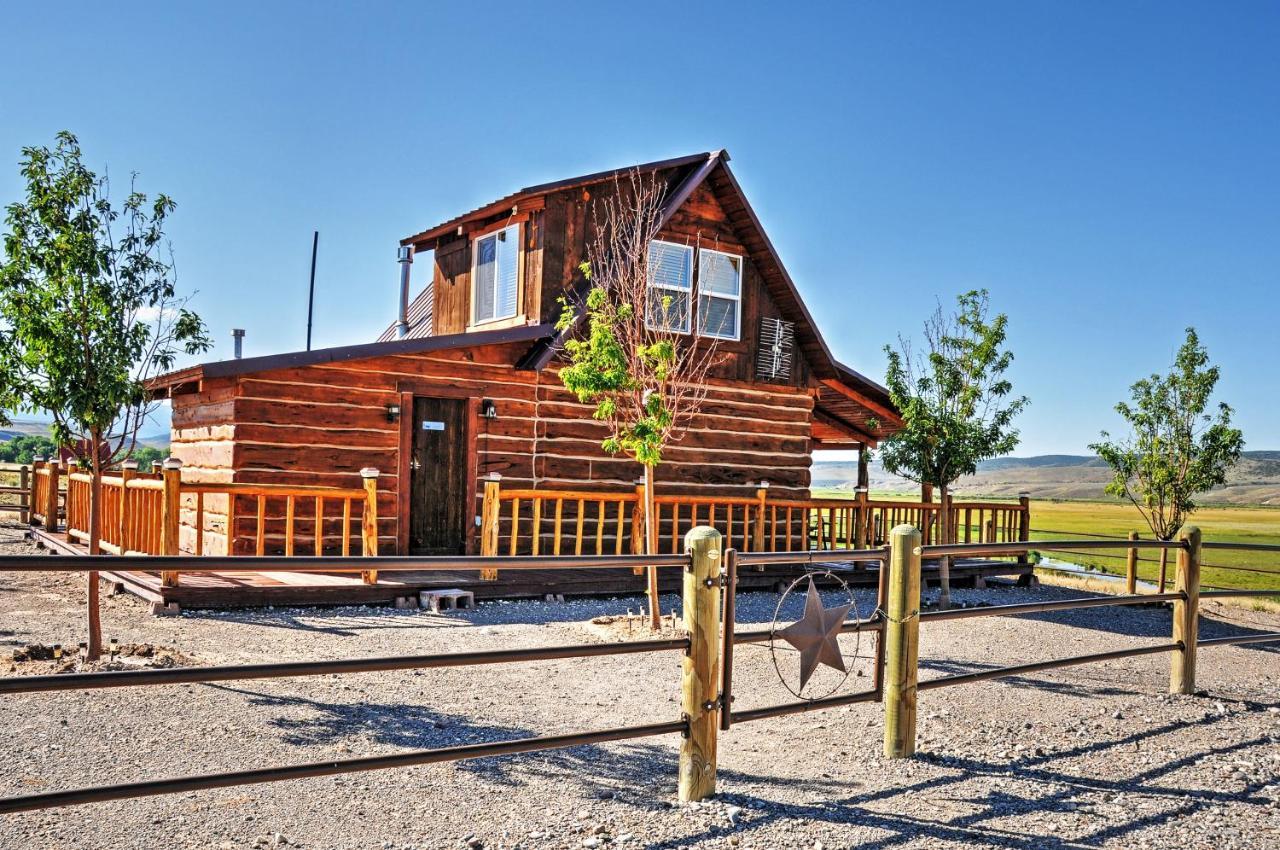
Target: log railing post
x,y
639,525
1186,612
170,515
902,642
51,503
757,530
369,521
700,685
37,507
72,505
128,472
1131,567
490,520
1024,523
24,498
860,532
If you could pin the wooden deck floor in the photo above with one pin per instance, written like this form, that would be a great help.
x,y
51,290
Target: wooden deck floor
x,y
259,589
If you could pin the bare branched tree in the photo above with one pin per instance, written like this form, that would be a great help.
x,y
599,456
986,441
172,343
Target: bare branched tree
x,y
644,357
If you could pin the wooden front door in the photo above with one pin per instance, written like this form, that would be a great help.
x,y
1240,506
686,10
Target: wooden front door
x,y
438,506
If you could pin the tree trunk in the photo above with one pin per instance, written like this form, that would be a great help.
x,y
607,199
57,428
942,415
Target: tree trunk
x,y
926,493
95,543
1164,566
651,548
944,563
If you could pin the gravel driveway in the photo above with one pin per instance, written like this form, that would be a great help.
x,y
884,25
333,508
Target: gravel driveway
x,y
1092,756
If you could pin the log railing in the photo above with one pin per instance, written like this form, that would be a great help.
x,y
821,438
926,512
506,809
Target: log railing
x,y
145,515
536,522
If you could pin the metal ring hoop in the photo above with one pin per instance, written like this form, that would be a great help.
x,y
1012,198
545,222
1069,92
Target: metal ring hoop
x,y
773,631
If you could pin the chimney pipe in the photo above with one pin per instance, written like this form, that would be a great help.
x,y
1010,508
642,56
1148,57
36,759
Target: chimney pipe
x,y
238,335
405,258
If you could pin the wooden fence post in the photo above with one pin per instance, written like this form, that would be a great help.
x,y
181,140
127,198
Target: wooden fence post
x,y
1131,567
369,521
170,516
72,506
902,642
24,498
757,532
51,505
490,518
1186,612
700,684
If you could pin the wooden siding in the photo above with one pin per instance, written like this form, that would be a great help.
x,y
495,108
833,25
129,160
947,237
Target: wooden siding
x,y
321,424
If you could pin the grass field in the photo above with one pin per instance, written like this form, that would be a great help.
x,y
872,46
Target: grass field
x,y
1051,519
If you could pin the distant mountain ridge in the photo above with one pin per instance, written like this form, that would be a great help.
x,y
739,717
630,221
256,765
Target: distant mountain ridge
x,y
1254,481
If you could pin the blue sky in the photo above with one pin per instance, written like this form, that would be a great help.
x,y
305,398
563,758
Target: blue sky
x,y
1108,171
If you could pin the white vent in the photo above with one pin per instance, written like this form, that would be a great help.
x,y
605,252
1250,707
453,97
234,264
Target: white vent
x,y
773,357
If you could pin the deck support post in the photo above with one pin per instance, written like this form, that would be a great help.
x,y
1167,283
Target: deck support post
x,y
1186,612
490,517
902,642
1024,523
369,521
757,531
170,515
700,682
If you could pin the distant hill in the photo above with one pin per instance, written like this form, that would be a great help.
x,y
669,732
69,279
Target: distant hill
x,y
1254,481
21,427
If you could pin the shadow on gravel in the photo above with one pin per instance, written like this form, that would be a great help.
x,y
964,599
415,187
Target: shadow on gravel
x,y
899,813
1150,621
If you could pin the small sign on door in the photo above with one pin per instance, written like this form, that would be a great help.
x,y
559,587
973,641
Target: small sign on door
x,y
432,426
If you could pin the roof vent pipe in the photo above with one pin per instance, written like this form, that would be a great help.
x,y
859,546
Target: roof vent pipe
x,y
237,334
405,258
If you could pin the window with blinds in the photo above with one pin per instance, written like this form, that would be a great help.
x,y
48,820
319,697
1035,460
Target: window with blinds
x,y
719,294
670,286
495,275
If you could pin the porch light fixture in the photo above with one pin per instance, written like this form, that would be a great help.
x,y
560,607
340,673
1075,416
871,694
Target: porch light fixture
x,y
393,412
488,410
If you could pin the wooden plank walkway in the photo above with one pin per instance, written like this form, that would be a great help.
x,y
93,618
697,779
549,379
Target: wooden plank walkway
x,y
260,589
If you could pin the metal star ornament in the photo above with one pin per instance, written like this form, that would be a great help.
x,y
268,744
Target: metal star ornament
x,y
816,635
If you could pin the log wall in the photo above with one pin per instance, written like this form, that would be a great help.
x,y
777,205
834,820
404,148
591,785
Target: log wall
x,y
321,424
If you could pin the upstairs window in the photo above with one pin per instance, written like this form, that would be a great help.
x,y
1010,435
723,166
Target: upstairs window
x,y
719,294
670,286
495,275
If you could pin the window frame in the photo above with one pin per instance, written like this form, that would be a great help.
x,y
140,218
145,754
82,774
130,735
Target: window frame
x,y
475,264
689,290
736,298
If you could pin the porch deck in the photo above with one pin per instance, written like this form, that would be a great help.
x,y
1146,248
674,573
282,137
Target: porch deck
x,y
260,589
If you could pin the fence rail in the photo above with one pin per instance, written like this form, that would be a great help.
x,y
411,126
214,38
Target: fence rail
x,y
708,684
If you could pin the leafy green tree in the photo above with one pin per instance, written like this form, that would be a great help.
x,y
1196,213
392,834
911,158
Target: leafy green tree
x,y
88,310
148,457
26,448
957,404
635,362
1178,446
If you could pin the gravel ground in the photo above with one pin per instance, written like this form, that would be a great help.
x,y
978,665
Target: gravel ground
x,y
1092,756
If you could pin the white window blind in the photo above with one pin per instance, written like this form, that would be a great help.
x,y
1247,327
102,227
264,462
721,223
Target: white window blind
x,y
719,294
670,285
496,275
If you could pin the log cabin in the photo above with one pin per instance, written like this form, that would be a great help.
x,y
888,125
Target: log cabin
x,y
463,387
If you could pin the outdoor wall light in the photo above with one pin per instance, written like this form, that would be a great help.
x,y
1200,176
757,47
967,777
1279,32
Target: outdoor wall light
x,y
488,409
393,412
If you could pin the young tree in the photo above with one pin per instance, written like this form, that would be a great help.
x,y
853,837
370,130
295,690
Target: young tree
x,y
26,448
1177,448
957,405
641,361
88,310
